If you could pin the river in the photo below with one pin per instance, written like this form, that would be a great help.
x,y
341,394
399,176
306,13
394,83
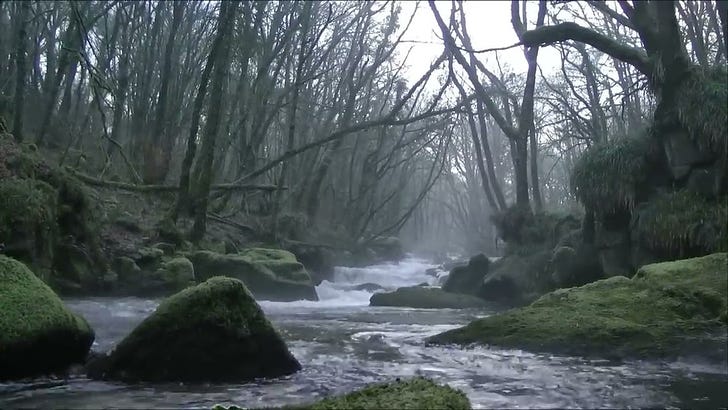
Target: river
x,y
344,344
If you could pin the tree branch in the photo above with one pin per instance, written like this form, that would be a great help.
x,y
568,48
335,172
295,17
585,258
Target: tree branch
x,y
167,188
548,35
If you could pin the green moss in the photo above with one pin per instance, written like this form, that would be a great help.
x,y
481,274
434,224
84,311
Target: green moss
x,y
28,219
268,273
701,107
682,221
265,254
34,321
425,298
210,332
609,177
177,273
652,314
417,393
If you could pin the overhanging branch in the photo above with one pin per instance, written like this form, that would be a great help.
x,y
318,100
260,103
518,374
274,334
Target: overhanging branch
x,y
561,32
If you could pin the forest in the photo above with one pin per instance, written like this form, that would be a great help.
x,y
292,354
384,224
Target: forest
x,y
363,204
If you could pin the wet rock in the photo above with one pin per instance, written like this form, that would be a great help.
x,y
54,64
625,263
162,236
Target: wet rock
x,y
212,332
368,287
467,279
425,298
38,334
318,260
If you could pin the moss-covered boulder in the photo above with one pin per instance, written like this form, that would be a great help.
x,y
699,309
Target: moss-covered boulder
x,y
38,334
467,279
666,308
270,274
417,393
425,298
177,272
518,278
214,331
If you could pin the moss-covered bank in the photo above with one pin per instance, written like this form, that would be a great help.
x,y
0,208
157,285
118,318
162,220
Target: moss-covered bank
x,y
214,331
665,309
38,334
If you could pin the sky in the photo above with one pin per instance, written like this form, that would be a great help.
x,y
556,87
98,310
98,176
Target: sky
x,y
489,25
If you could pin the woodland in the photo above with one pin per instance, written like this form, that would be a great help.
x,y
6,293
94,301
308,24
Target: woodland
x,y
147,147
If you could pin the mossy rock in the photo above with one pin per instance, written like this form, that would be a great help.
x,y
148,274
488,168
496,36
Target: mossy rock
x,y
213,332
28,221
515,278
416,393
176,274
276,277
43,207
467,279
38,334
425,298
665,309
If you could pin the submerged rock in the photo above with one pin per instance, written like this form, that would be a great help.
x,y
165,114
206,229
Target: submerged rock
x,y
38,334
270,274
665,309
214,331
425,298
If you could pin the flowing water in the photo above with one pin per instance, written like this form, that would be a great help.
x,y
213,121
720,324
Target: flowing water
x,y
344,344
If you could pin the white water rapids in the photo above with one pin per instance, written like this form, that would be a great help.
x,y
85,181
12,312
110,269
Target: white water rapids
x,y
343,344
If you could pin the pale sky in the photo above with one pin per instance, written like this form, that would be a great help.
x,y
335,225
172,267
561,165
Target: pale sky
x,y
489,26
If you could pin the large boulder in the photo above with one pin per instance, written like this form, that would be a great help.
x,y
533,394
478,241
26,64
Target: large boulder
x,y
518,278
38,334
467,279
425,298
214,331
270,274
666,309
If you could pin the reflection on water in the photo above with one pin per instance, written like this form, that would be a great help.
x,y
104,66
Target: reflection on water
x,y
344,344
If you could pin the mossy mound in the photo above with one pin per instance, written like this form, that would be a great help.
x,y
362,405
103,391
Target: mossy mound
x,y
665,309
270,274
47,218
682,223
417,393
612,177
214,331
38,334
175,274
28,221
425,298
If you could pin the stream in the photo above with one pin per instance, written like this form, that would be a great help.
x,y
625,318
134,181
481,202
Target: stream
x,y
343,344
